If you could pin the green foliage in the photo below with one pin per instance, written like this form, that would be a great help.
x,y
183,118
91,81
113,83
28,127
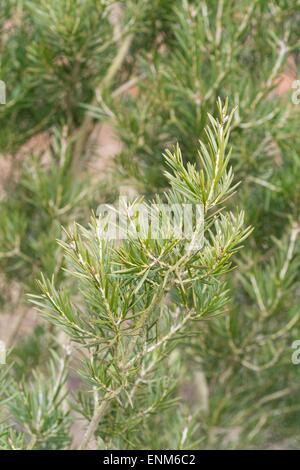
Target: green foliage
x,y
163,335
40,410
136,300
42,198
215,49
54,54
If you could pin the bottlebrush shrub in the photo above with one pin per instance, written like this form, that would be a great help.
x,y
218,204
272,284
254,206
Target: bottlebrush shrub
x,y
127,307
